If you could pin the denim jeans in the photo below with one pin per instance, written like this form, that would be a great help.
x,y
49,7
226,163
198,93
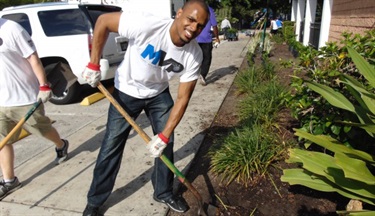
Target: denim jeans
x,y
109,159
207,58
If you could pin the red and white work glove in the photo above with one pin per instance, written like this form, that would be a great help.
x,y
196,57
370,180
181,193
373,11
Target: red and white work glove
x,y
92,74
157,145
45,93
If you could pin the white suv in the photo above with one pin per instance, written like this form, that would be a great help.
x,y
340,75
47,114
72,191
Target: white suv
x,y
62,33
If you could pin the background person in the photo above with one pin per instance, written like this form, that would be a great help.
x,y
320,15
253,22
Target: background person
x,y
22,82
159,48
225,25
205,42
279,24
273,26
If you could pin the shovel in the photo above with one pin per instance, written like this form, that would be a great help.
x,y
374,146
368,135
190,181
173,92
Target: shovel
x,y
211,210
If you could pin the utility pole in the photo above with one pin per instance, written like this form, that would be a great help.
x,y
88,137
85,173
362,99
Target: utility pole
x,y
265,28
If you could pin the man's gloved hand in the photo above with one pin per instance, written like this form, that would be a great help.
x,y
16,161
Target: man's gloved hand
x,y
157,145
45,93
216,43
92,74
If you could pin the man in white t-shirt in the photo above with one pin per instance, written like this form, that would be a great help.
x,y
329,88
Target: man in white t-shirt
x,y
225,26
273,26
158,49
22,83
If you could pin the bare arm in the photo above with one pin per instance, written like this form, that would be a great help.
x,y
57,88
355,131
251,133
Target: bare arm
x,y
185,90
216,33
38,68
105,24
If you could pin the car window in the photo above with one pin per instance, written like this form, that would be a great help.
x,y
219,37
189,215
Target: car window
x,y
95,11
63,22
21,19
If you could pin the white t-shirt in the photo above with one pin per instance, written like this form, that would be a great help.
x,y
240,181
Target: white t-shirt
x,y
18,83
151,59
225,24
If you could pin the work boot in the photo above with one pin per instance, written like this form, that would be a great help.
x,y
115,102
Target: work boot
x,y
177,204
91,211
62,154
9,187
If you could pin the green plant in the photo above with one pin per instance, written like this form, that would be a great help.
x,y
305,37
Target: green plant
x,y
252,48
347,170
268,46
247,80
286,64
232,31
262,106
278,38
245,151
251,148
326,66
288,31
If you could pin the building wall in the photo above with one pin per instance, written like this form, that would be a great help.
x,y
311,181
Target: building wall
x,y
354,16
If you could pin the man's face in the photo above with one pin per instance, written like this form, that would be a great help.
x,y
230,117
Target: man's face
x,y
189,23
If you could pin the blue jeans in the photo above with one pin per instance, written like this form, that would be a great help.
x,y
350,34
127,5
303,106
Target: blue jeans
x,y
108,162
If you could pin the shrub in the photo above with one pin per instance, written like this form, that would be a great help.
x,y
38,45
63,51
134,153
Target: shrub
x,y
345,170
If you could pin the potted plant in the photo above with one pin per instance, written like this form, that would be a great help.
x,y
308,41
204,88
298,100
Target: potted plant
x,y
232,34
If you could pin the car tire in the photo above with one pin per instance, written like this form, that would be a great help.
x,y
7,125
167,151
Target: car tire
x,y
70,94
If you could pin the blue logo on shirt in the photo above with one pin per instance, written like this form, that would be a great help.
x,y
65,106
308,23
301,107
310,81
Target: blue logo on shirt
x,y
158,58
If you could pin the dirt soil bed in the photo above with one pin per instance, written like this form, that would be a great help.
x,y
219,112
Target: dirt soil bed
x,y
266,195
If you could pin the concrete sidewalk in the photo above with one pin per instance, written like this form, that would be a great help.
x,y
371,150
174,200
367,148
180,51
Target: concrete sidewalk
x,y
61,190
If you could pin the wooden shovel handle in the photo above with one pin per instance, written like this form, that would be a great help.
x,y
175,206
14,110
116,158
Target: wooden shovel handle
x,y
119,108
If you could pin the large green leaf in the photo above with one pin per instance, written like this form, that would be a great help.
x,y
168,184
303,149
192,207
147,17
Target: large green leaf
x,y
356,85
324,165
367,97
368,127
302,177
308,179
333,97
363,66
364,118
356,213
354,169
334,145
354,92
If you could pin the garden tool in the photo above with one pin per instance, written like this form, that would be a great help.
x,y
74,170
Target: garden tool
x,y
210,210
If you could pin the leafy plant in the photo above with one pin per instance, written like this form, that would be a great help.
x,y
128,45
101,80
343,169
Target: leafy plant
x,y
268,46
262,106
232,31
346,170
251,148
326,67
246,151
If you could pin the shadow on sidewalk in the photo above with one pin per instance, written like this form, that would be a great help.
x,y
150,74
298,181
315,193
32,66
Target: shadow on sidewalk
x,y
220,73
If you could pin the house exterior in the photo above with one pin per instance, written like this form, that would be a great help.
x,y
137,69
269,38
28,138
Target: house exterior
x,y
320,21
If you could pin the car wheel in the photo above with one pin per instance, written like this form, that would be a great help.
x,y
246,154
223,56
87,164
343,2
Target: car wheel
x,y
70,94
